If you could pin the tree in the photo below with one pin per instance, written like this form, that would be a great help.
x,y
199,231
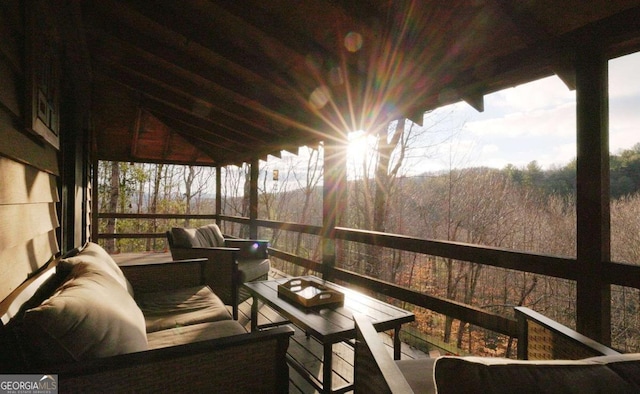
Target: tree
x,y
114,196
195,180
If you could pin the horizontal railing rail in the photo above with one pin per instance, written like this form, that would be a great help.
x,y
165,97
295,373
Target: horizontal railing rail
x,y
105,215
504,258
560,267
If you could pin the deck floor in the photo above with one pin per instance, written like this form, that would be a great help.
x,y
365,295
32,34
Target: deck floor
x,y
306,350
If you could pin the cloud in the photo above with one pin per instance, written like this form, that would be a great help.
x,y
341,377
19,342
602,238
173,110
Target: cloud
x,y
623,76
543,93
557,121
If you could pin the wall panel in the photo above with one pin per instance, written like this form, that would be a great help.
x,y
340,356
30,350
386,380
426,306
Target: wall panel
x,y
28,222
17,262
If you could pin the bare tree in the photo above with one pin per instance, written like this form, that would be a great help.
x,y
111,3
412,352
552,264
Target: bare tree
x,y
195,180
114,196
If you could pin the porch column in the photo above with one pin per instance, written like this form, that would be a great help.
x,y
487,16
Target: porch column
x,y
593,298
218,194
253,198
95,228
333,200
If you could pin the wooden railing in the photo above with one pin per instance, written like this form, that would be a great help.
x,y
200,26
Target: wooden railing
x,y
564,268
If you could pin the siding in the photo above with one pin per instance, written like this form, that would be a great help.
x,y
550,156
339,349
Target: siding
x,y
29,170
28,222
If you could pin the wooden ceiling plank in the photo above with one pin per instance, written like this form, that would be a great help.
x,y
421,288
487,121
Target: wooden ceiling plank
x,y
158,92
213,27
159,81
193,59
202,137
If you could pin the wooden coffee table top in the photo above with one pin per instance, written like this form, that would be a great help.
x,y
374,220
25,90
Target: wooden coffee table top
x,y
332,323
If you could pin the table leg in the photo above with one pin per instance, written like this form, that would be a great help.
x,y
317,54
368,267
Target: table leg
x,y
396,343
254,314
327,368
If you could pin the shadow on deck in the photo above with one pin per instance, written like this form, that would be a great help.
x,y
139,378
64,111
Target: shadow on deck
x,y
305,350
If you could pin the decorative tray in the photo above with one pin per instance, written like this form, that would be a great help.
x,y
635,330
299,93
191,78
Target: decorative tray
x,y
308,293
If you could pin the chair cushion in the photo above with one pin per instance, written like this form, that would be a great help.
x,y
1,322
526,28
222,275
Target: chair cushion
x,y
419,374
89,316
185,238
626,366
193,333
210,236
98,258
181,307
250,270
498,375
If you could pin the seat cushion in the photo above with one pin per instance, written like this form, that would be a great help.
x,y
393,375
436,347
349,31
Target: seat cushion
x,y
181,307
250,270
498,375
89,316
626,366
419,374
193,333
185,238
210,236
98,258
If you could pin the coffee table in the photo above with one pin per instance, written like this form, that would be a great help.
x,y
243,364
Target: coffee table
x,y
329,324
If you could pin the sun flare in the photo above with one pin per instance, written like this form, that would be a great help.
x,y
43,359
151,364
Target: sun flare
x,y
361,144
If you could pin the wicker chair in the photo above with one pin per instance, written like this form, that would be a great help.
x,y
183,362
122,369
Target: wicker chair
x,y
236,260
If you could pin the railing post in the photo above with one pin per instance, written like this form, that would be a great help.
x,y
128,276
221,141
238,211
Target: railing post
x,y
333,200
593,295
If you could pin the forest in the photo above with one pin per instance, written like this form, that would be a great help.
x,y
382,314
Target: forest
x,y
525,209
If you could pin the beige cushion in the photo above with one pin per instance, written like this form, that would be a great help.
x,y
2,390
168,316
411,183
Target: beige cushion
x,y
91,315
626,366
210,236
95,256
250,270
193,333
498,375
418,373
181,307
184,237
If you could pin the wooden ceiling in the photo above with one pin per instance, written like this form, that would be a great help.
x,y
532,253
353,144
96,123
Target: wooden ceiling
x,y
223,82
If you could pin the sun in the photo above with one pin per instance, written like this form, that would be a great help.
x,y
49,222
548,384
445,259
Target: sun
x,y
361,144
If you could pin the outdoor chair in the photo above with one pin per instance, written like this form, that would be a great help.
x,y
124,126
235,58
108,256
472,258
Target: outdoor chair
x,y
236,260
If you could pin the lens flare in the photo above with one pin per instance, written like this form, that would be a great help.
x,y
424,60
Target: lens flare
x,y
353,41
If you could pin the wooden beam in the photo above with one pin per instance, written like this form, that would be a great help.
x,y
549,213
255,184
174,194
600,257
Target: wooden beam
x,y
477,102
218,194
497,257
137,126
253,198
217,117
333,199
191,20
128,33
593,303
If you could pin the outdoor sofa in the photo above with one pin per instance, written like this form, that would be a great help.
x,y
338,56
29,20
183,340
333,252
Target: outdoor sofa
x,y
139,328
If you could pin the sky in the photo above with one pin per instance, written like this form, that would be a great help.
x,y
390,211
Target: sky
x,y
531,122
534,121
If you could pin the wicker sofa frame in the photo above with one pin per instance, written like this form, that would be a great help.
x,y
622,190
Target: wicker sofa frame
x,y
253,362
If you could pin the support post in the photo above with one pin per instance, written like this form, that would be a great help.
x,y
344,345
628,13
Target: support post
x,y
218,194
333,200
94,225
253,198
593,295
